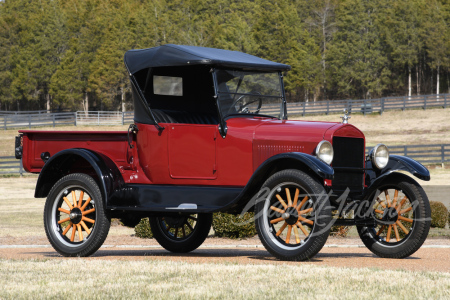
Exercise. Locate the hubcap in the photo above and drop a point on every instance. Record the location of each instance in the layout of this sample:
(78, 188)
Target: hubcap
(75, 215)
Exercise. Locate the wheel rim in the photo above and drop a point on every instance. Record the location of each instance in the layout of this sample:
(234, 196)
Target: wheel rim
(73, 216)
(178, 228)
(289, 216)
(393, 207)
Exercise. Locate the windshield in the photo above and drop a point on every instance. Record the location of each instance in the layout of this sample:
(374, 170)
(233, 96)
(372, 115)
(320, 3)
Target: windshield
(249, 93)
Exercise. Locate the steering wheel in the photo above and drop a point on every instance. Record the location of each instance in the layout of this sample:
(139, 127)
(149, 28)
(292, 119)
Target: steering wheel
(243, 106)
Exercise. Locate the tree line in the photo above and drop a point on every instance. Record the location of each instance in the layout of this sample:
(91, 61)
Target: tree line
(68, 54)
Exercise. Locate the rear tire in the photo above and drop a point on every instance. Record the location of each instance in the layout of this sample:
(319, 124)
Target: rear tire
(404, 239)
(297, 226)
(75, 220)
(181, 233)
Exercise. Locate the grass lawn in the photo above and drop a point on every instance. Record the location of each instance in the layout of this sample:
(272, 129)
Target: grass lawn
(106, 279)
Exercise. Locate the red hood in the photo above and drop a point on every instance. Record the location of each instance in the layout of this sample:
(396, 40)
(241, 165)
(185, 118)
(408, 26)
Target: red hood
(276, 136)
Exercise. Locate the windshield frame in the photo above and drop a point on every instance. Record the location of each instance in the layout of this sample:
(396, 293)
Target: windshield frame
(222, 127)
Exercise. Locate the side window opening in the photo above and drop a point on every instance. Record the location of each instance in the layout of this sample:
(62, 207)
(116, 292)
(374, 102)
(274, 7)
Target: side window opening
(167, 85)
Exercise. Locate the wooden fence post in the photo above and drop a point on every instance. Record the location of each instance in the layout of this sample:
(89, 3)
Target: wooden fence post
(53, 117)
(304, 108)
(382, 105)
(29, 121)
(404, 103)
(328, 107)
(21, 168)
(445, 100)
(4, 120)
(405, 150)
(425, 103)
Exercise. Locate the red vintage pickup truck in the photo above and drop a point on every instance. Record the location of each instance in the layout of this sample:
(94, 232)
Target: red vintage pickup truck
(211, 133)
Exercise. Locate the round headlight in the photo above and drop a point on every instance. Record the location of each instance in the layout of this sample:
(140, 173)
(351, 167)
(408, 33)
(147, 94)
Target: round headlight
(324, 151)
(380, 156)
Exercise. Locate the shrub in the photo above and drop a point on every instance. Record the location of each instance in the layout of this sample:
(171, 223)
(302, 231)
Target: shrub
(439, 214)
(143, 230)
(234, 226)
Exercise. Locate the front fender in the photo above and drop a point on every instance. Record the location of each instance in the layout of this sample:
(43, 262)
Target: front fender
(108, 176)
(290, 160)
(396, 163)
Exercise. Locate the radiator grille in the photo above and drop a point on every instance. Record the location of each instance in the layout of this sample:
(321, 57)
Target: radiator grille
(348, 153)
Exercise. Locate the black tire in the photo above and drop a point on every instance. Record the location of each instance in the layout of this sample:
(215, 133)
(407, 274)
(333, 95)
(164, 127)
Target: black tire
(315, 230)
(130, 220)
(181, 233)
(86, 207)
(406, 242)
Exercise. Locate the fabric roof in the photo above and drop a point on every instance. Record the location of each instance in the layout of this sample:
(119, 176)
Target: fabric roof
(179, 55)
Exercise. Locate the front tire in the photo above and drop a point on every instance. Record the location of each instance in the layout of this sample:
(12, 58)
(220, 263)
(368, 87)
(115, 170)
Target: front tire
(74, 216)
(181, 233)
(404, 206)
(293, 220)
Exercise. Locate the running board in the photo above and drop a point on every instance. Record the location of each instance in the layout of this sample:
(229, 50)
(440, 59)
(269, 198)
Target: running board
(163, 198)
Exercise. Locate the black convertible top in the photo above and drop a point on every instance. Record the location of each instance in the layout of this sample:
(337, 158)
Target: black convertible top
(179, 55)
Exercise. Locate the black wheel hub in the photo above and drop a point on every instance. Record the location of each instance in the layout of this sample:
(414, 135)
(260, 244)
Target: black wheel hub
(175, 222)
(75, 215)
(292, 215)
(390, 216)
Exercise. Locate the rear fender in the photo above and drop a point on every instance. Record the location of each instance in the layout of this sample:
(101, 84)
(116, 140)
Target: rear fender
(107, 175)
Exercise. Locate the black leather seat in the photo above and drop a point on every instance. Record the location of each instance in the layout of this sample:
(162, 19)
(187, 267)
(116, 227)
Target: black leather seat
(171, 116)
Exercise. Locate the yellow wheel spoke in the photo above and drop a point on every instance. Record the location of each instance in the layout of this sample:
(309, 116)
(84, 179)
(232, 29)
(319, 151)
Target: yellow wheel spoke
(73, 233)
(388, 236)
(64, 211)
(85, 227)
(81, 199)
(67, 228)
(306, 220)
(68, 203)
(297, 191)
(297, 237)
(399, 224)
(394, 202)
(288, 195)
(401, 203)
(405, 210)
(86, 203)
(302, 228)
(397, 236)
(80, 234)
(303, 212)
(87, 220)
(275, 221)
(88, 211)
(277, 210)
(405, 219)
(281, 229)
(288, 236)
(63, 220)
(281, 201)
(388, 199)
(381, 229)
(381, 203)
(74, 199)
(302, 203)
(379, 211)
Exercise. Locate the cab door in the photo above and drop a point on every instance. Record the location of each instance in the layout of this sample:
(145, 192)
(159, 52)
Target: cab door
(192, 151)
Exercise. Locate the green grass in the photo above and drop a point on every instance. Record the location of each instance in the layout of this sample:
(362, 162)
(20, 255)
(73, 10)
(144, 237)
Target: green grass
(105, 279)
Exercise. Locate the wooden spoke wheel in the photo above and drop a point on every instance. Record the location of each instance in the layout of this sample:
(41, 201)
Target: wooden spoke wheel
(181, 232)
(293, 221)
(394, 211)
(402, 211)
(74, 218)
